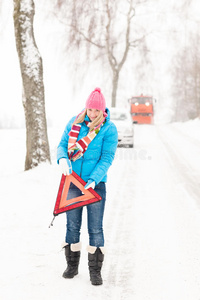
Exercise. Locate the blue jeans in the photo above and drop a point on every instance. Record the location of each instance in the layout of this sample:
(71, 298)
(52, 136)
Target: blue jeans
(95, 212)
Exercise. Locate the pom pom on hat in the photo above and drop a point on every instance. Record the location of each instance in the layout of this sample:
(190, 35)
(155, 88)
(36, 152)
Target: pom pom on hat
(96, 100)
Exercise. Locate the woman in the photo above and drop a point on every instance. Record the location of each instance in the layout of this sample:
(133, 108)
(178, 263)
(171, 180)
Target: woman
(88, 147)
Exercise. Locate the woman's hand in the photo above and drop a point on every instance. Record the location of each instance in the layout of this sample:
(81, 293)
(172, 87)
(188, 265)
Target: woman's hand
(65, 166)
(90, 184)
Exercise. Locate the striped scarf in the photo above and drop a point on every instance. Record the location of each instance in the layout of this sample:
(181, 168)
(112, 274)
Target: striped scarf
(81, 145)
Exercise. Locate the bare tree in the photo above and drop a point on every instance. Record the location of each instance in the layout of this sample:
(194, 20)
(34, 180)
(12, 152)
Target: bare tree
(115, 64)
(94, 23)
(37, 145)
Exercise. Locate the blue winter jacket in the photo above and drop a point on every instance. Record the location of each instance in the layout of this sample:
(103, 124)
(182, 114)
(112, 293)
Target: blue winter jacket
(97, 159)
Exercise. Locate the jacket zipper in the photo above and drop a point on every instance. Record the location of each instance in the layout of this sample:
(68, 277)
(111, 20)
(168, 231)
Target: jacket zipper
(82, 160)
(81, 167)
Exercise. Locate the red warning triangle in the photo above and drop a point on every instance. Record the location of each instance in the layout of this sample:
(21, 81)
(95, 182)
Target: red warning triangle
(62, 204)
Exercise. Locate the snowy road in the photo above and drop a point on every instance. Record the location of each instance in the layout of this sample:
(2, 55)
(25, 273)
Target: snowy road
(166, 214)
(152, 225)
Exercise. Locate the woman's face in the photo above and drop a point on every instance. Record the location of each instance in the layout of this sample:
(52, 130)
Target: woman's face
(92, 113)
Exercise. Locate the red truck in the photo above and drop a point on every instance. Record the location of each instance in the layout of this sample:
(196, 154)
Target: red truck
(141, 109)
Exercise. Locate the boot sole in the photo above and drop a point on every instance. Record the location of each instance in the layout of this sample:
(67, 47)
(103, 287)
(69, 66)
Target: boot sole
(69, 276)
(97, 282)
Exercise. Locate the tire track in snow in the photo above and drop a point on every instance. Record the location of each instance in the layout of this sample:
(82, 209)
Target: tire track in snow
(156, 248)
(118, 267)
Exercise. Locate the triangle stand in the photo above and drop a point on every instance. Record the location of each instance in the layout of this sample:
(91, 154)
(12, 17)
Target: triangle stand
(63, 204)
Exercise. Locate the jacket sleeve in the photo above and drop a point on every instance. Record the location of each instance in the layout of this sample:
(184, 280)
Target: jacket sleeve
(109, 148)
(62, 150)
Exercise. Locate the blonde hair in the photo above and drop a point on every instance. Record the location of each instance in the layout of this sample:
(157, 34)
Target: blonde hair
(97, 121)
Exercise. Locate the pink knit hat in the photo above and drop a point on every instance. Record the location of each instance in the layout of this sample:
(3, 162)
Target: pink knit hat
(96, 100)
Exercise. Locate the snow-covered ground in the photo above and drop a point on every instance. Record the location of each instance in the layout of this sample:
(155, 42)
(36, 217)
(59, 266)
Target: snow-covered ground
(152, 221)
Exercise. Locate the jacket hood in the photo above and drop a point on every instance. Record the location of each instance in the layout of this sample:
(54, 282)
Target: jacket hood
(108, 114)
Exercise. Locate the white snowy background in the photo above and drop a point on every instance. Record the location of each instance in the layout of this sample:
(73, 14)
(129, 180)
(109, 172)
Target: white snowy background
(152, 217)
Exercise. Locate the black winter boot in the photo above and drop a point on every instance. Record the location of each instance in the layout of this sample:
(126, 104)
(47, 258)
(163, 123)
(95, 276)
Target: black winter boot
(72, 258)
(95, 262)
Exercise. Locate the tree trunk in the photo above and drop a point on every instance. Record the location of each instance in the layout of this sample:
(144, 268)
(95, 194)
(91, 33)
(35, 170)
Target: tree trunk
(114, 87)
(115, 64)
(37, 145)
